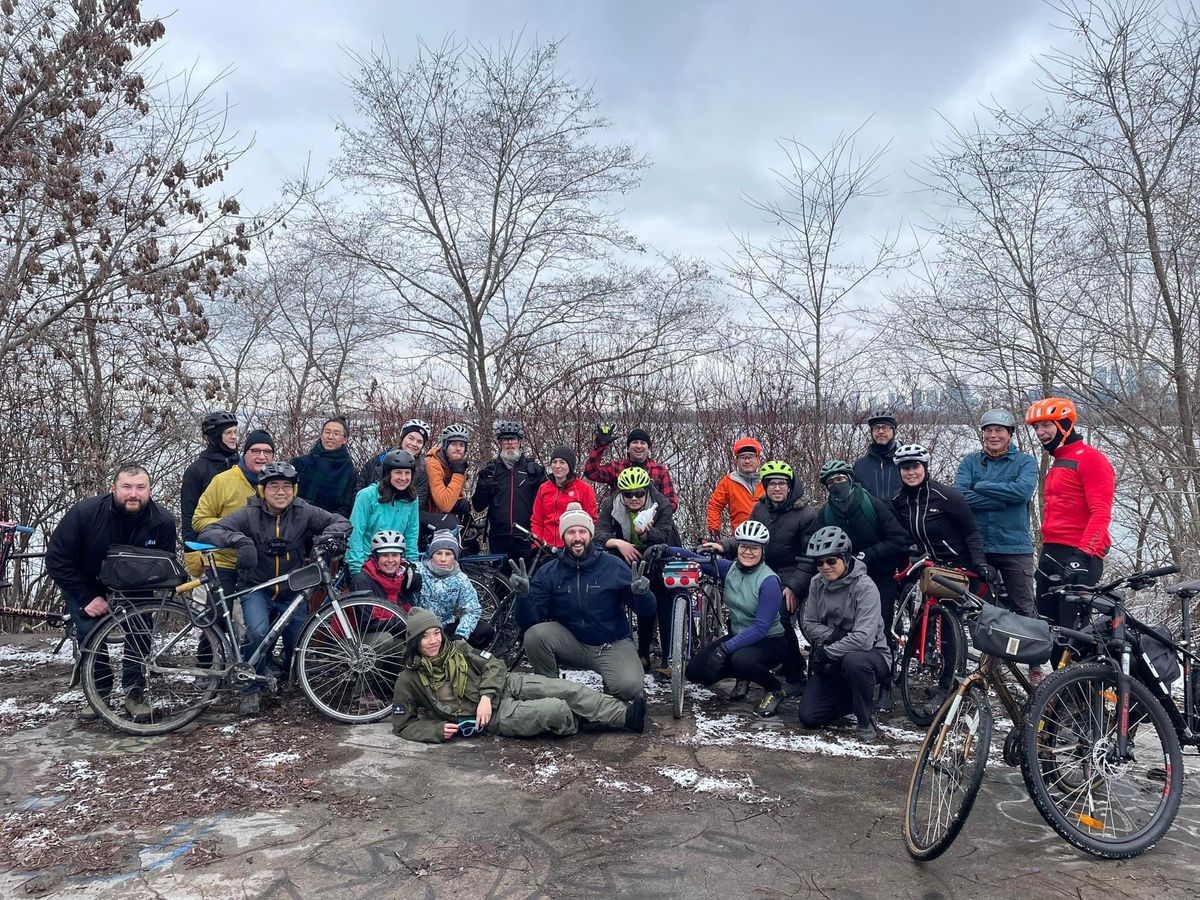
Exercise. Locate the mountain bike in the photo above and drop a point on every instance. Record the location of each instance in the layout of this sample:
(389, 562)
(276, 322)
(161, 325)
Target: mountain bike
(158, 660)
(697, 615)
(931, 644)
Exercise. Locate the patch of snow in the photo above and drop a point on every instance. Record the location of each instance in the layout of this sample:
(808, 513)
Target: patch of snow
(16, 653)
(585, 676)
(278, 759)
(732, 730)
(229, 729)
(24, 708)
(74, 696)
(625, 787)
(544, 771)
(741, 788)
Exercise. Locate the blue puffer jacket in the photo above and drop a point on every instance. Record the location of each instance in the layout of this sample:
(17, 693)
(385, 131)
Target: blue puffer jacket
(586, 596)
(998, 490)
(370, 516)
(446, 595)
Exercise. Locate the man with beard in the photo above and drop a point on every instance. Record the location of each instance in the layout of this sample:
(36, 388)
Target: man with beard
(220, 453)
(77, 548)
(574, 611)
(637, 453)
(327, 477)
(876, 471)
(506, 488)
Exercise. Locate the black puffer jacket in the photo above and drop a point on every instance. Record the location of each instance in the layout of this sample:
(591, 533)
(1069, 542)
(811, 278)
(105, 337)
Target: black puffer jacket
(941, 523)
(208, 465)
(878, 472)
(791, 523)
(877, 535)
(508, 494)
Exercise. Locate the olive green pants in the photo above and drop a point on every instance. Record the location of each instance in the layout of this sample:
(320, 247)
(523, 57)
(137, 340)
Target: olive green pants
(531, 705)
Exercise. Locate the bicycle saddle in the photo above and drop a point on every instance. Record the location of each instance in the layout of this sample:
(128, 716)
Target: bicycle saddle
(1190, 587)
(196, 545)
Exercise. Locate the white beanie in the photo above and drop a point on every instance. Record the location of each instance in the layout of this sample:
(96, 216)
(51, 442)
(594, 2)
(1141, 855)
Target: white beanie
(575, 515)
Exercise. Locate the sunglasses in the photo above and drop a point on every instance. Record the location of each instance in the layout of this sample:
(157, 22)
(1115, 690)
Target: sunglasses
(633, 495)
(829, 561)
(467, 727)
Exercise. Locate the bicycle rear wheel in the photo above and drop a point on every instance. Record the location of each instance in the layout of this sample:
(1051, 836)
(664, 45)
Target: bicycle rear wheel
(139, 667)
(348, 670)
(680, 622)
(931, 662)
(506, 645)
(947, 774)
(1108, 807)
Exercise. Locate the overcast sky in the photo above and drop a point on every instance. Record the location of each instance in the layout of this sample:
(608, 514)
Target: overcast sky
(705, 89)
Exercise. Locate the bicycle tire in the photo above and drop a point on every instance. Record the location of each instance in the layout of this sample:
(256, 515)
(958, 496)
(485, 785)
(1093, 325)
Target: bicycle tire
(679, 627)
(489, 600)
(971, 744)
(902, 627)
(506, 645)
(174, 700)
(344, 674)
(925, 685)
(1077, 705)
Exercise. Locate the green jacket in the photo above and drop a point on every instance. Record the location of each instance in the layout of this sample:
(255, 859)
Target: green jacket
(485, 678)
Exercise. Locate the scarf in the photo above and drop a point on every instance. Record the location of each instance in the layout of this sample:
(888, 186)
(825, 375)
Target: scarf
(393, 585)
(324, 475)
(449, 666)
(438, 572)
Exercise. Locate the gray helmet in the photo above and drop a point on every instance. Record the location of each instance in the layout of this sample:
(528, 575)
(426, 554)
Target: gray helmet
(509, 428)
(397, 459)
(278, 471)
(828, 541)
(881, 417)
(454, 432)
(1000, 417)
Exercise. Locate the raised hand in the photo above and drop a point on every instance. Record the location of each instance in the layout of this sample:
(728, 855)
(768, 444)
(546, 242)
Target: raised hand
(518, 581)
(640, 583)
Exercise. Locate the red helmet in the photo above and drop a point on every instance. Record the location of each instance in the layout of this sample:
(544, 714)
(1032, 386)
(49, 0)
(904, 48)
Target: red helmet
(1052, 409)
(742, 444)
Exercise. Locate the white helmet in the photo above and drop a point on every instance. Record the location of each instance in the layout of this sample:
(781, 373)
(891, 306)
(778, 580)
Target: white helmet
(387, 541)
(752, 531)
(911, 453)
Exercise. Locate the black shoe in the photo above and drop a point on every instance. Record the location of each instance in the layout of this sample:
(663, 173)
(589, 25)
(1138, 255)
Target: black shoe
(769, 704)
(635, 714)
(866, 732)
(886, 703)
(741, 688)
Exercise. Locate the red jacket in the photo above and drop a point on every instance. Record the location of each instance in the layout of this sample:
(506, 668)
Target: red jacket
(1079, 499)
(606, 473)
(551, 502)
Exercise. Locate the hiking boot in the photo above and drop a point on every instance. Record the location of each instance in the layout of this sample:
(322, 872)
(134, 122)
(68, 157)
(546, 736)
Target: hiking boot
(137, 707)
(769, 704)
(886, 702)
(645, 660)
(248, 705)
(865, 732)
(635, 714)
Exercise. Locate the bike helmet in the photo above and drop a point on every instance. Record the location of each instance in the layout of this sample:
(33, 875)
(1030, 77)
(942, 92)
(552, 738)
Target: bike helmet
(508, 428)
(217, 421)
(454, 432)
(278, 471)
(1001, 417)
(1052, 409)
(752, 531)
(742, 444)
(834, 467)
(416, 425)
(777, 469)
(828, 541)
(635, 478)
(881, 417)
(397, 459)
(387, 541)
(908, 453)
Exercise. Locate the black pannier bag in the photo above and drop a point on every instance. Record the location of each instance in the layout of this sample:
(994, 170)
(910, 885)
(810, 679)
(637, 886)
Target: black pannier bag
(1159, 657)
(1009, 635)
(128, 568)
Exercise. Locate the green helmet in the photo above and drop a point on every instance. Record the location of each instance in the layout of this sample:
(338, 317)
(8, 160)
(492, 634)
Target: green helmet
(777, 469)
(834, 467)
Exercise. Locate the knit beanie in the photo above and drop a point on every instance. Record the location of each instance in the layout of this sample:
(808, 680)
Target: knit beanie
(567, 455)
(575, 515)
(638, 434)
(444, 539)
(259, 436)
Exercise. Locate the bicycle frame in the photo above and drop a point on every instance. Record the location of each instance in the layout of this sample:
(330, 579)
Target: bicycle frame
(921, 613)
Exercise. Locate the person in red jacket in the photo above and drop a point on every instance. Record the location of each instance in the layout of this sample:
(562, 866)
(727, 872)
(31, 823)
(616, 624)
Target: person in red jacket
(738, 490)
(558, 492)
(1079, 499)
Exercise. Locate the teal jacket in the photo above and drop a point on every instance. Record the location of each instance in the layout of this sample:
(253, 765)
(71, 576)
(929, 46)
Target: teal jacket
(998, 490)
(370, 516)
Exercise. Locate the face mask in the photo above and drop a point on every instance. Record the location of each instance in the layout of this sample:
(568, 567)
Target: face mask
(841, 490)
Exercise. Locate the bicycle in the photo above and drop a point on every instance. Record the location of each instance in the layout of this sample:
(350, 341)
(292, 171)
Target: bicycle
(177, 657)
(1102, 746)
(8, 554)
(697, 617)
(931, 643)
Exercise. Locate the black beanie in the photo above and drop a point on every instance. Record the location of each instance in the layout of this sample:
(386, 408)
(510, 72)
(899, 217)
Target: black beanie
(638, 434)
(567, 455)
(258, 436)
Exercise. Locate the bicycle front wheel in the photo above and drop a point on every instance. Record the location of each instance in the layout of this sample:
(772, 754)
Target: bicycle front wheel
(143, 668)
(930, 663)
(347, 665)
(947, 774)
(1105, 805)
(679, 626)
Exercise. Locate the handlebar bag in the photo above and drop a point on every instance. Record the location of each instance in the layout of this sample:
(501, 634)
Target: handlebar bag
(931, 588)
(128, 568)
(1008, 635)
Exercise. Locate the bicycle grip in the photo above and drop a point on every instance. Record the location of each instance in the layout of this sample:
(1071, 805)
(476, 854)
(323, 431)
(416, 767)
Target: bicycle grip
(25, 529)
(189, 586)
(952, 585)
(1159, 572)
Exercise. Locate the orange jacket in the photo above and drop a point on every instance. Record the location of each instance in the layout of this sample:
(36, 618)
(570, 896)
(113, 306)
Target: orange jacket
(444, 489)
(733, 493)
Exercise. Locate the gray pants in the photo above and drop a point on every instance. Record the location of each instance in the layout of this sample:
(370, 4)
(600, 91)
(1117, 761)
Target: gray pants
(549, 645)
(531, 705)
(1016, 569)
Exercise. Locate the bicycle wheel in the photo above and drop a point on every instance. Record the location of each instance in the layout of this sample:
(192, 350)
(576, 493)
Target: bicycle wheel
(140, 667)
(348, 671)
(947, 774)
(506, 645)
(902, 620)
(929, 665)
(489, 602)
(680, 621)
(1108, 807)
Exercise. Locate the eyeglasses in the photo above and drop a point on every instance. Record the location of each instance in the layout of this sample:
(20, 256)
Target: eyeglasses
(260, 451)
(829, 561)
(467, 727)
(633, 495)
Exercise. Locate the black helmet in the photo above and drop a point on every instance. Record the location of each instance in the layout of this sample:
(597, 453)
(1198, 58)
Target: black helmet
(881, 417)
(217, 421)
(509, 428)
(278, 471)
(398, 459)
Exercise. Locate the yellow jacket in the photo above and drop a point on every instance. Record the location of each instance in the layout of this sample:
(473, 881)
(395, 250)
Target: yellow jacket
(225, 494)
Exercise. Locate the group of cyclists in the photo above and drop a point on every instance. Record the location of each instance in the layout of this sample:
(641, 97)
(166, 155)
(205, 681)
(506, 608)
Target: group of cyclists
(789, 568)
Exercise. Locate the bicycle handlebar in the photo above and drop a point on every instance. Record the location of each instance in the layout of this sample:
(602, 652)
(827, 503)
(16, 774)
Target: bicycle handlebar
(16, 527)
(189, 586)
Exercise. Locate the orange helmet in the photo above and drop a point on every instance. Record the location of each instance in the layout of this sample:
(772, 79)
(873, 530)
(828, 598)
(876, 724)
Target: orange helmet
(1052, 409)
(741, 445)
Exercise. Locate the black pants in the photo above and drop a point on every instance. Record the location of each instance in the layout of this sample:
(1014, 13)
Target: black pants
(1062, 564)
(1016, 571)
(849, 686)
(795, 669)
(886, 585)
(753, 663)
(664, 599)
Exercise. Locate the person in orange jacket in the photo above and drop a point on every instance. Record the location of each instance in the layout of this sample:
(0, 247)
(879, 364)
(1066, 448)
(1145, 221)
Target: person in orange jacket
(739, 490)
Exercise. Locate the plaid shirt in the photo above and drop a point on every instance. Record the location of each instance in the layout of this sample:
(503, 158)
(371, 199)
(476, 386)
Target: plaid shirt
(606, 473)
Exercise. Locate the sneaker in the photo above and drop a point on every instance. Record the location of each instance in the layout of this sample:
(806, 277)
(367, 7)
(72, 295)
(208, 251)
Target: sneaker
(740, 689)
(886, 702)
(248, 705)
(769, 704)
(635, 714)
(137, 707)
(865, 732)
(1036, 676)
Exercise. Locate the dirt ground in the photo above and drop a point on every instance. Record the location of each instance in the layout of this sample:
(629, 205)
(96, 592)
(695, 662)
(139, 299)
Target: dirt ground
(719, 804)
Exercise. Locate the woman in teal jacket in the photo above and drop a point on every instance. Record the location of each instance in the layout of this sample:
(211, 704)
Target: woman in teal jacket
(391, 504)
